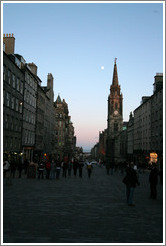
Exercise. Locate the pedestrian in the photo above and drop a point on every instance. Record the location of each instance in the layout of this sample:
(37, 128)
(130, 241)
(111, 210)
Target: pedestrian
(53, 169)
(130, 180)
(26, 165)
(41, 170)
(80, 167)
(13, 167)
(64, 167)
(69, 168)
(58, 168)
(153, 179)
(31, 171)
(19, 167)
(48, 168)
(6, 168)
(75, 167)
(107, 165)
(89, 169)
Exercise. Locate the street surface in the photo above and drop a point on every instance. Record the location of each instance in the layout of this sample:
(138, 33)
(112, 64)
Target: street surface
(81, 210)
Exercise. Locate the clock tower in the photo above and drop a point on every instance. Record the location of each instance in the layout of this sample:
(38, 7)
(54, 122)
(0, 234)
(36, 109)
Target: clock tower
(115, 113)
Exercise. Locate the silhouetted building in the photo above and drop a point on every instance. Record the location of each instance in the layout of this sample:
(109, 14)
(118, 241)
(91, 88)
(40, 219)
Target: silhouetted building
(115, 115)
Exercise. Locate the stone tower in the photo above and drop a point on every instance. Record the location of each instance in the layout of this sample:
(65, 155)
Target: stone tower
(115, 106)
(115, 115)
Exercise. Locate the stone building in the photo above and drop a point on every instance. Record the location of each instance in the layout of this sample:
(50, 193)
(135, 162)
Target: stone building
(49, 117)
(64, 131)
(130, 138)
(148, 124)
(102, 145)
(13, 83)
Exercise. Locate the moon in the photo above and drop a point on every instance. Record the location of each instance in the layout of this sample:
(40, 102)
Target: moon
(102, 67)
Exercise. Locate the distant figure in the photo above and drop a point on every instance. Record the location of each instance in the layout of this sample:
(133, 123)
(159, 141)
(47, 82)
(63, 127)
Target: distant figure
(41, 170)
(19, 167)
(6, 168)
(153, 179)
(75, 167)
(13, 166)
(107, 165)
(130, 180)
(58, 168)
(80, 166)
(53, 169)
(69, 168)
(26, 165)
(48, 169)
(64, 167)
(31, 172)
(89, 169)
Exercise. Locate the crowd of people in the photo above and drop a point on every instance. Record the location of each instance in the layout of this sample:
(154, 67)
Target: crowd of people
(46, 169)
(54, 169)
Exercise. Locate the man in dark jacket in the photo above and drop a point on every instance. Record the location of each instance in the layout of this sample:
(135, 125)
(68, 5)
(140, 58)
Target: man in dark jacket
(131, 181)
(153, 179)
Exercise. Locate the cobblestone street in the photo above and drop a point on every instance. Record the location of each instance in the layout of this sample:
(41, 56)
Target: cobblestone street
(81, 210)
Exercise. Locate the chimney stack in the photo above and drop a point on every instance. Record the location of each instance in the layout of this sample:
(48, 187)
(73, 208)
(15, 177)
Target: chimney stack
(9, 41)
(33, 68)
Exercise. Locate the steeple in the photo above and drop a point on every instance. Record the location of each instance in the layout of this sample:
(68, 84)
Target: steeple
(115, 75)
(58, 100)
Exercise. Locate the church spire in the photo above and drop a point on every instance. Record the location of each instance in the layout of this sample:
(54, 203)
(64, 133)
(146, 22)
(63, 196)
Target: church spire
(115, 75)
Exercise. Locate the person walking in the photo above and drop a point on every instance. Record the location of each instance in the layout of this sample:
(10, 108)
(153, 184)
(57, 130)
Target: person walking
(80, 167)
(89, 169)
(75, 167)
(130, 180)
(153, 180)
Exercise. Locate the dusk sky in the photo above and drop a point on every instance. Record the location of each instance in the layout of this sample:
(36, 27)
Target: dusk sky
(78, 42)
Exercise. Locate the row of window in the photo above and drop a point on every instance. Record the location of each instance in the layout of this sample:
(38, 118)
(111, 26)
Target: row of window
(12, 143)
(11, 123)
(28, 137)
(29, 98)
(29, 116)
(12, 102)
(12, 79)
(30, 80)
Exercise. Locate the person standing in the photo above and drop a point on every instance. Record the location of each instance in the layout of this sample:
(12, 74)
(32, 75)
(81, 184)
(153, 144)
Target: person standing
(75, 167)
(13, 168)
(80, 166)
(58, 168)
(130, 180)
(6, 168)
(48, 168)
(69, 168)
(41, 170)
(153, 180)
(89, 169)
(53, 169)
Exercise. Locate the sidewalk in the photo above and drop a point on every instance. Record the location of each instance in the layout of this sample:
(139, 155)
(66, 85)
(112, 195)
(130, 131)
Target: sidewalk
(75, 210)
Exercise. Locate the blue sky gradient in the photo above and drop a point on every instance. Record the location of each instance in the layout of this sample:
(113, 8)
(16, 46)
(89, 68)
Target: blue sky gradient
(73, 40)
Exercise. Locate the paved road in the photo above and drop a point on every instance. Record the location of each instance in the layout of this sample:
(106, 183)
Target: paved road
(75, 210)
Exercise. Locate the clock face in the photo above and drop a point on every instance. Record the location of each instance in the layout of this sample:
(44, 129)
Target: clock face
(115, 112)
